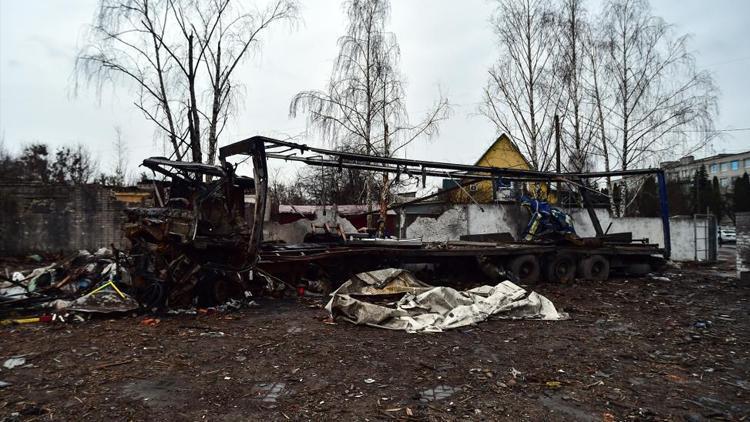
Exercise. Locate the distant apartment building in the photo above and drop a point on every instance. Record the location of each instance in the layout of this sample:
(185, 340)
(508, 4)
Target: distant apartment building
(725, 167)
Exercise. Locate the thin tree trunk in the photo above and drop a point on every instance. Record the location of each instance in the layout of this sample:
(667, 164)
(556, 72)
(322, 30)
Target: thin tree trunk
(368, 119)
(193, 118)
(603, 134)
(215, 108)
(578, 163)
(163, 92)
(532, 109)
(625, 120)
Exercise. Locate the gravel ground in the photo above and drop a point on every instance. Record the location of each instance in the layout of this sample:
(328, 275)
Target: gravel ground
(636, 349)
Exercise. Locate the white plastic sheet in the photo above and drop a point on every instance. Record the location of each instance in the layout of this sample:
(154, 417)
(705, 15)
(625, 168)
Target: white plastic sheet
(424, 308)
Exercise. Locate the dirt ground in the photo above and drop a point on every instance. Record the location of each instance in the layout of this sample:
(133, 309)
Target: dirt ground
(635, 349)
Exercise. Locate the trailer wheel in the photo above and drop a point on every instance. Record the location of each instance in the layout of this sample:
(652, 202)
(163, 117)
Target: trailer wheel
(526, 268)
(493, 270)
(560, 268)
(595, 267)
(638, 269)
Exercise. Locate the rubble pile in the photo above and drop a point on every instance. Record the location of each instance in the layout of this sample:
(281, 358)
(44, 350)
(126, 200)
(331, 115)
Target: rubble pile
(83, 282)
(98, 283)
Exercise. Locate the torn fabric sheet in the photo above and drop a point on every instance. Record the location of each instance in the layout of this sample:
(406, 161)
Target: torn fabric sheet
(424, 308)
(103, 302)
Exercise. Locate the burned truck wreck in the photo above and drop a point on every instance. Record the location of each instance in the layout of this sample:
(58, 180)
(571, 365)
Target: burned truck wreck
(197, 242)
(205, 242)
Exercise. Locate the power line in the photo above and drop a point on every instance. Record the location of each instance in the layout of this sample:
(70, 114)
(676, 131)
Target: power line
(741, 129)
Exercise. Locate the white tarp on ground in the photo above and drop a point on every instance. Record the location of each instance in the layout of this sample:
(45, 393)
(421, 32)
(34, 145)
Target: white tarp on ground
(424, 308)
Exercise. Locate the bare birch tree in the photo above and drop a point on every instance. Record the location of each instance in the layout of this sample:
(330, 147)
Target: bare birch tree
(657, 95)
(578, 121)
(363, 106)
(598, 92)
(658, 92)
(182, 57)
(523, 93)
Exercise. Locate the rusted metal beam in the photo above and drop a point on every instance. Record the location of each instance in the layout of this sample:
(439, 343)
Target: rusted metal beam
(345, 159)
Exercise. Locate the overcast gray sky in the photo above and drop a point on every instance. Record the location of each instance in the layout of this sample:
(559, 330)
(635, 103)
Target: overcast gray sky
(445, 44)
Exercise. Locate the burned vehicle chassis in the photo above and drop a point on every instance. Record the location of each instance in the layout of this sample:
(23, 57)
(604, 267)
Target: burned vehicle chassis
(196, 242)
(203, 242)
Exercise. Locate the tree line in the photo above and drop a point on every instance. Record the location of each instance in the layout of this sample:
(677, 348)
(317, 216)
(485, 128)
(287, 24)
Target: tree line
(37, 162)
(623, 82)
(700, 195)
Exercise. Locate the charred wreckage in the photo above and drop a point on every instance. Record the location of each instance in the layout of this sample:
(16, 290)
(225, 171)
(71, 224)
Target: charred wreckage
(204, 241)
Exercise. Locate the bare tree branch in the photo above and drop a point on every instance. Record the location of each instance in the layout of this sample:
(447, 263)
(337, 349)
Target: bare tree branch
(182, 56)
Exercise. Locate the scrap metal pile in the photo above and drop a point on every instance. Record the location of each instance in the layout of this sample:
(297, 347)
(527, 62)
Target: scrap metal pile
(190, 251)
(81, 283)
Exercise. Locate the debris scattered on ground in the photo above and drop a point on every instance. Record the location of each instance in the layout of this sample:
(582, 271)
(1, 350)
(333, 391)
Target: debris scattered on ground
(122, 370)
(269, 392)
(213, 334)
(150, 322)
(83, 282)
(14, 362)
(86, 283)
(424, 308)
(438, 393)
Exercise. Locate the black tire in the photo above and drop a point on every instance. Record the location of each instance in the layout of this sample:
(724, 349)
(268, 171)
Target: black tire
(526, 268)
(595, 267)
(220, 291)
(638, 269)
(560, 268)
(493, 271)
(153, 296)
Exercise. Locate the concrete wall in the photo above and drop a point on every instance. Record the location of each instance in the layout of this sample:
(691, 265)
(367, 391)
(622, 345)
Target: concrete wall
(470, 219)
(52, 218)
(295, 232)
(684, 244)
(641, 227)
(682, 232)
(497, 218)
(450, 225)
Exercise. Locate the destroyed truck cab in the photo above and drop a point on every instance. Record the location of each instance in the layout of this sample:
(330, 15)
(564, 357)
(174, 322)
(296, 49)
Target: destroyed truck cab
(195, 244)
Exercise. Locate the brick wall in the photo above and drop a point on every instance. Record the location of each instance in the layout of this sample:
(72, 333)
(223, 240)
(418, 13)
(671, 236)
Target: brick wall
(52, 218)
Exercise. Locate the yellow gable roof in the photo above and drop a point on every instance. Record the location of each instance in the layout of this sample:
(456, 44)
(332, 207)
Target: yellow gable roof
(503, 153)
